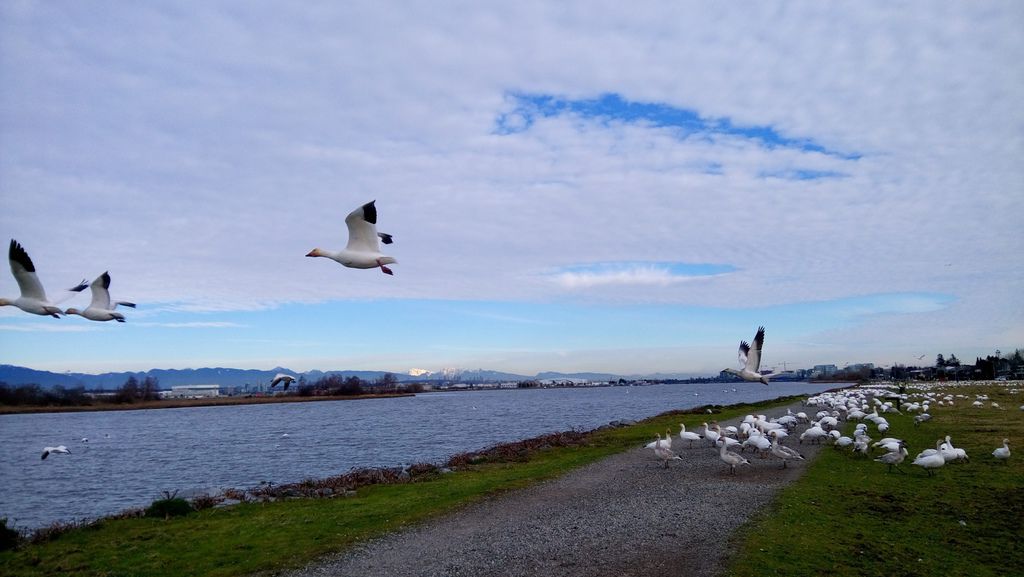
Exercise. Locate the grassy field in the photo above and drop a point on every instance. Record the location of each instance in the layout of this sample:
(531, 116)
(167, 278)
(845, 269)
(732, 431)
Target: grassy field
(848, 517)
(253, 537)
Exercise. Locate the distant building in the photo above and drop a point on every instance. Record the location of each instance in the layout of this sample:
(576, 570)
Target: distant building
(824, 370)
(857, 367)
(192, 392)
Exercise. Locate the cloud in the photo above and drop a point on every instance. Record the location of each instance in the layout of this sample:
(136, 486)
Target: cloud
(197, 152)
(194, 325)
(41, 328)
(635, 273)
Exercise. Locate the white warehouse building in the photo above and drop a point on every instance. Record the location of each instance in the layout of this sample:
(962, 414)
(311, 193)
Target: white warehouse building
(192, 392)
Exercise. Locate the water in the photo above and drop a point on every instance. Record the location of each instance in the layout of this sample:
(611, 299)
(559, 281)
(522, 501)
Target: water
(131, 457)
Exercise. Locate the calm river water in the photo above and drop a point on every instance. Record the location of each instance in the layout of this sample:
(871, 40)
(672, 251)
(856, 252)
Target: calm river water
(131, 457)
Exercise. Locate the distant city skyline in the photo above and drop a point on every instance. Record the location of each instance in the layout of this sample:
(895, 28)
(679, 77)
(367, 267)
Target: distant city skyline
(570, 189)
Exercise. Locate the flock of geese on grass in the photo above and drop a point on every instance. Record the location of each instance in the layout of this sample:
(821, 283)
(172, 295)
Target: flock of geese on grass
(762, 435)
(765, 436)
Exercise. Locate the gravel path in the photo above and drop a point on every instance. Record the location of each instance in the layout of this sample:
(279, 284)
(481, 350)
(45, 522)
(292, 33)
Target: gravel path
(623, 516)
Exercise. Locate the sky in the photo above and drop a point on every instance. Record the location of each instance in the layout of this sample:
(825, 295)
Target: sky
(574, 186)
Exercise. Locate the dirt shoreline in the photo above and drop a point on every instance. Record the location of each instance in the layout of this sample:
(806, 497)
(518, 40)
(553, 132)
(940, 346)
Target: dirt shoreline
(185, 403)
(623, 516)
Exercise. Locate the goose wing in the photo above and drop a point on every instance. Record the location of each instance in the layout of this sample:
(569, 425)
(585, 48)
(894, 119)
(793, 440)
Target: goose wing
(100, 292)
(25, 272)
(362, 229)
(753, 357)
(742, 354)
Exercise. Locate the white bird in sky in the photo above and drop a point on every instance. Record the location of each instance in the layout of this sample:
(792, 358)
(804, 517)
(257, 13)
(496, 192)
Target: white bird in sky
(363, 249)
(101, 308)
(57, 449)
(33, 297)
(750, 358)
(282, 378)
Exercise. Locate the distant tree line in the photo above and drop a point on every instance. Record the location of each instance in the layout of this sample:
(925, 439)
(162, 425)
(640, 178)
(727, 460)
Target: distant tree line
(59, 396)
(132, 390)
(337, 386)
(37, 396)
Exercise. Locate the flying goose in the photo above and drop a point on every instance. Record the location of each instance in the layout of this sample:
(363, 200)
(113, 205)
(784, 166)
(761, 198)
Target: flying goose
(282, 378)
(750, 358)
(33, 297)
(363, 249)
(101, 309)
(57, 449)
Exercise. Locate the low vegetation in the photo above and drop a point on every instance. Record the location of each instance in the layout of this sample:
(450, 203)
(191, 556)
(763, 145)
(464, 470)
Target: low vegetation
(284, 526)
(845, 516)
(848, 517)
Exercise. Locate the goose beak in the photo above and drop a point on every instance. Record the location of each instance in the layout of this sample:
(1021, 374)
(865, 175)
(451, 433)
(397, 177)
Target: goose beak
(313, 252)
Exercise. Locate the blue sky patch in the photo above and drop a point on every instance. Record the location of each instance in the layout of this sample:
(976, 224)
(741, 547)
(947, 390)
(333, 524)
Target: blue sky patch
(608, 108)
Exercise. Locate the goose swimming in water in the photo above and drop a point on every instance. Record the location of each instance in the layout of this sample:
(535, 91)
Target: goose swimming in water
(363, 249)
(33, 297)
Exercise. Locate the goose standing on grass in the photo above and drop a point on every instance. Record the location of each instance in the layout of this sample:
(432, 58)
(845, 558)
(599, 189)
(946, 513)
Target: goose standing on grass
(929, 462)
(363, 249)
(282, 378)
(894, 458)
(33, 297)
(951, 453)
(1003, 453)
(785, 453)
(750, 358)
(730, 458)
(58, 449)
(664, 453)
(101, 308)
(688, 436)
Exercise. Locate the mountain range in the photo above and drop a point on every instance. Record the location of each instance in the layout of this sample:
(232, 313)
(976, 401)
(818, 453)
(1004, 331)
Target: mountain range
(227, 377)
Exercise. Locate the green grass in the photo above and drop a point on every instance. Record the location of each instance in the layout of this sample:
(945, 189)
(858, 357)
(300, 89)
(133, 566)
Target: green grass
(253, 537)
(848, 517)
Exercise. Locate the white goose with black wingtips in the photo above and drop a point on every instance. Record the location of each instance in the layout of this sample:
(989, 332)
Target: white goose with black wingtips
(33, 297)
(101, 308)
(363, 249)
